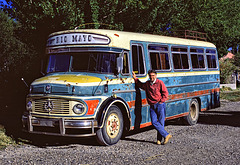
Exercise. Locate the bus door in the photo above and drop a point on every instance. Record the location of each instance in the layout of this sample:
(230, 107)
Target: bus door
(140, 113)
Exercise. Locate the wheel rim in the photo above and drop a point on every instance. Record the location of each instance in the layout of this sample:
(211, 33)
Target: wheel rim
(113, 125)
(193, 112)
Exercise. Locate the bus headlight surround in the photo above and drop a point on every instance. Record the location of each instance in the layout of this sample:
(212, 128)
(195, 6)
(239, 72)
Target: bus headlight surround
(29, 106)
(79, 108)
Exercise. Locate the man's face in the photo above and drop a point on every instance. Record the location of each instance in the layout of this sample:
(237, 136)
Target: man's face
(152, 76)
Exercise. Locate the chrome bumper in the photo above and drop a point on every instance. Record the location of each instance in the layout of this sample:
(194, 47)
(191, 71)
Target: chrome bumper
(29, 123)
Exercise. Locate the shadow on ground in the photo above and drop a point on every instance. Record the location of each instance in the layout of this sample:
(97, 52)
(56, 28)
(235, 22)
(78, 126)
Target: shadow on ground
(215, 117)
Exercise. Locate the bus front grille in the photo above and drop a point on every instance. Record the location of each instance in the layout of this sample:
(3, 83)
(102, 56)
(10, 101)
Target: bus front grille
(51, 106)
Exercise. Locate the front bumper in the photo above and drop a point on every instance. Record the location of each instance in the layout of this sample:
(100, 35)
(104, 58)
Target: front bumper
(59, 127)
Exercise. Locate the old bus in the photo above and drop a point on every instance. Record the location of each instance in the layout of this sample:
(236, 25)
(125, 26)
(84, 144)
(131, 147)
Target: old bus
(88, 90)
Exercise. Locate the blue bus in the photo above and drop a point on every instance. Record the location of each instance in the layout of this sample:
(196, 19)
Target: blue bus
(88, 89)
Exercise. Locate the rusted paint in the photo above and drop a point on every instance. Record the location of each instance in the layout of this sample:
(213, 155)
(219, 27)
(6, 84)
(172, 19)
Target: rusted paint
(122, 80)
(68, 85)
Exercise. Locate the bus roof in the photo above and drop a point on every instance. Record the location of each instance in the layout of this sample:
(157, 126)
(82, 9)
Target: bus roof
(122, 39)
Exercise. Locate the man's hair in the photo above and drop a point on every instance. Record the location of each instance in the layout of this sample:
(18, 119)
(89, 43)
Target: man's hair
(152, 71)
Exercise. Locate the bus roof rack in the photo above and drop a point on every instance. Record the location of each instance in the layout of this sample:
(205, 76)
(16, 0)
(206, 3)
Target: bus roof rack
(189, 34)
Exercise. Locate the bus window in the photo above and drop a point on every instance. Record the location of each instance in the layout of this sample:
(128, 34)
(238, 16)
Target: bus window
(137, 56)
(155, 61)
(211, 58)
(58, 63)
(97, 62)
(159, 57)
(125, 64)
(180, 58)
(197, 58)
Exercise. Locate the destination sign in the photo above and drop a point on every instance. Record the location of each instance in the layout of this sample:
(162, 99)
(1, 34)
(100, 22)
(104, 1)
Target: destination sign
(77, 39)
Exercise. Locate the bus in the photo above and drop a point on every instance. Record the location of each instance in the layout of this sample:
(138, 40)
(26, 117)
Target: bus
(88, 89)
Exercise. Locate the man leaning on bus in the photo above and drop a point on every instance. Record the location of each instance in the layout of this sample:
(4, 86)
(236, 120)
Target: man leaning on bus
(157, 94)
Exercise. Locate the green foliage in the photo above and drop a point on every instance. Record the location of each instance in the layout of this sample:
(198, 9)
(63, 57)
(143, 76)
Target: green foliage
(231, 96)
(237, 60)
(226, 69)
(4, 139)
(13, 50)
(219, 19)
(224, 89)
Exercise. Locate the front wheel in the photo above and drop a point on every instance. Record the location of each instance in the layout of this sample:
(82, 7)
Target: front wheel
(192, 117)
(112, 129)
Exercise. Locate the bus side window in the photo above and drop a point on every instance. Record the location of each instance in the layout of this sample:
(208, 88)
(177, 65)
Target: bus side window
(125, 64)
(211, 58)
(180, 58)
(197, 58)
(138, 61)
(159, 57)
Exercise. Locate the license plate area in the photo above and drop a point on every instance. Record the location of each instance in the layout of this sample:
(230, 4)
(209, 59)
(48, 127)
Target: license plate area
(46, 123)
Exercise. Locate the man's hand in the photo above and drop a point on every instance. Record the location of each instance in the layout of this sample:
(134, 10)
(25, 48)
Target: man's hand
(134, 75)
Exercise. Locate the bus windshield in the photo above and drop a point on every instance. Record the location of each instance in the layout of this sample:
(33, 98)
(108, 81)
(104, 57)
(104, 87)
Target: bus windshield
(98, 62)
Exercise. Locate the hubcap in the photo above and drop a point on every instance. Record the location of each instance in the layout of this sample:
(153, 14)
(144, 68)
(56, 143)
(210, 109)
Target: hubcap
(113, 124)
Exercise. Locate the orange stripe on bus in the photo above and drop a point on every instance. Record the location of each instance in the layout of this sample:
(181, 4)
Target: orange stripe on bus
(143, 125)
(167, 118)
(92, 105)
(179, 96)
(192, 94)
(203, 109)
(132, 103)
(177, 116)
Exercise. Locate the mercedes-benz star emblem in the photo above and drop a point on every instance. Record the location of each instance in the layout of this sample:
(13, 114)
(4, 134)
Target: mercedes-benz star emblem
(48, 106)
(48, 87)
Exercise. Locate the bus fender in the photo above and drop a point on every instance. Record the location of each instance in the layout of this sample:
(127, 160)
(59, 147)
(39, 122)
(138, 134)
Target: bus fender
(122, 106)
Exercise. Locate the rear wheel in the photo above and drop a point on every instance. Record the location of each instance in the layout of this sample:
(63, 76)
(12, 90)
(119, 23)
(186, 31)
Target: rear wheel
(192, 117)
(112, 129)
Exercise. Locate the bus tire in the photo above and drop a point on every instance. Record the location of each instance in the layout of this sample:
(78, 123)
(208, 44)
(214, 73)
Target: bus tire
(193, 115)
(112, 129)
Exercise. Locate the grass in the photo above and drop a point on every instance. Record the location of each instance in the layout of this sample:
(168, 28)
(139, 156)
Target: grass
(231, 95)
(4, 139)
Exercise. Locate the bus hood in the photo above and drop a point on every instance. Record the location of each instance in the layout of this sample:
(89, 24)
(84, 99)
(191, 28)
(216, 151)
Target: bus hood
(67, 84)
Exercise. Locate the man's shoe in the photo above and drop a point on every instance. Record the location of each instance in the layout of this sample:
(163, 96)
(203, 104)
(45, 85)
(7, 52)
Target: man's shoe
(158, 142)
(168, 137)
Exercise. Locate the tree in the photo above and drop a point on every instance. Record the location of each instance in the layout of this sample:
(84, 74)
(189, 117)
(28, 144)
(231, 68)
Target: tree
(219, 19)
(227, 68)
(13, 50)
(15, 57)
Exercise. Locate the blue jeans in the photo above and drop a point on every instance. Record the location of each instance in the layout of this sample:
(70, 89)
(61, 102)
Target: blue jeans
(158, 113)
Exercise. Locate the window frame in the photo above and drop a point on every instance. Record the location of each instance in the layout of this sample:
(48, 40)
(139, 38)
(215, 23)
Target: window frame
(127, 52)
(159, 52)
(179, 53)
(204, 57)
(215, 54)
(143, 58)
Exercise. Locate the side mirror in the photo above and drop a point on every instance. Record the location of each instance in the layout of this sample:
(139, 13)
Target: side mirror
(119, 64)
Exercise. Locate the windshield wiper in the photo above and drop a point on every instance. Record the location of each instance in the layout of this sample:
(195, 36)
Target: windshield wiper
(97, 88)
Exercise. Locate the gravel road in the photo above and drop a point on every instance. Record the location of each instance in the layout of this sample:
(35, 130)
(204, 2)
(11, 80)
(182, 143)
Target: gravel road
(214, 140)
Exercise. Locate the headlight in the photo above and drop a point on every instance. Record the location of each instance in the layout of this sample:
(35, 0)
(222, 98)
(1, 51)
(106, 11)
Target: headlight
(29, 106)
(79, 108)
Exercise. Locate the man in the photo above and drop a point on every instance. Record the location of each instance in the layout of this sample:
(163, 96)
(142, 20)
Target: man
(157, 94)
